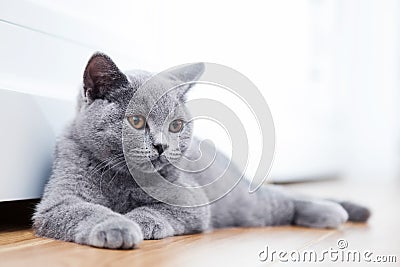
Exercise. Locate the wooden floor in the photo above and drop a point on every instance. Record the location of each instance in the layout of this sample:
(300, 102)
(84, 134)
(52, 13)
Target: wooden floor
(231, 247)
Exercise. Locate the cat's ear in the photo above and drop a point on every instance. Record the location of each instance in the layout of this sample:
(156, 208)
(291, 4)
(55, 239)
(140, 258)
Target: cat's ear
(101, 76)
(186, 74)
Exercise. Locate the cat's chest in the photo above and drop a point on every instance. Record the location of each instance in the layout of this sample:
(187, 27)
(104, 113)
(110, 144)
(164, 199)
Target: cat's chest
(124, 195)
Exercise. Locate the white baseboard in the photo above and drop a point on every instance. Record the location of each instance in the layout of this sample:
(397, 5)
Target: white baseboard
(29, 126)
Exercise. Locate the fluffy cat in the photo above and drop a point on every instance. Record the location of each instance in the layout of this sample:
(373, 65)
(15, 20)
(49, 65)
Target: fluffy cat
(92, 199)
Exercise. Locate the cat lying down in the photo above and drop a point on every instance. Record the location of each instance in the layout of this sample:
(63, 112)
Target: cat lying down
(92, 199)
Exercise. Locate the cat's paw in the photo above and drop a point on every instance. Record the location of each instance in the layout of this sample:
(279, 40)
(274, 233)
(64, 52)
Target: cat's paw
(157, 229)
(115, 233)
(357, 213)
(319, 214)
(153, 225)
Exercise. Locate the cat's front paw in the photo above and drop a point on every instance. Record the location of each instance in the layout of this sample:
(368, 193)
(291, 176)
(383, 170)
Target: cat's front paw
(156, 229)
(153, 225)
(115, 233)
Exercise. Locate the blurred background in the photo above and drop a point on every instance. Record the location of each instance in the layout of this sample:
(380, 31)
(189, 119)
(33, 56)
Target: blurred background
(329, 70)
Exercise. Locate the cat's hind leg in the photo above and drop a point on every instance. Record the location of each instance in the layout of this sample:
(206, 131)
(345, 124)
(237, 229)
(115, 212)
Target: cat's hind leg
(328, 213)
(356, 212)
(319, 214)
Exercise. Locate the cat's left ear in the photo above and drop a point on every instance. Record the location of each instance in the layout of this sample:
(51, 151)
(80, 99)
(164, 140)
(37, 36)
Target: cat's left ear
(101, 76)
(186, 74)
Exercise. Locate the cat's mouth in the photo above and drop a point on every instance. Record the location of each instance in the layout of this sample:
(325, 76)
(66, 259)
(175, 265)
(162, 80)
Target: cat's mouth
(159, 162)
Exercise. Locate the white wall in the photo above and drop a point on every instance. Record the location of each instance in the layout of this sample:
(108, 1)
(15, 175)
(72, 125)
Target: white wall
(267, 41)
(366, 79)
(328, 69)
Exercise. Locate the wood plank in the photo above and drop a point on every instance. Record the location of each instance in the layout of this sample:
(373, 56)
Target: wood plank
(226, 247)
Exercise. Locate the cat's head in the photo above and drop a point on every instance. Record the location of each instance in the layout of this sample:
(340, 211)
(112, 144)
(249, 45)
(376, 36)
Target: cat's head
(159, 128)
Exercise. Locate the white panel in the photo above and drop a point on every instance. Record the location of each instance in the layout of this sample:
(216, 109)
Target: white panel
(54, 22)
(27, 137)
(43, 53)
(40, 64)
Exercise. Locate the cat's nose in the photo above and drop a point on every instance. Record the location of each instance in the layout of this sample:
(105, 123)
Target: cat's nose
(160, 148)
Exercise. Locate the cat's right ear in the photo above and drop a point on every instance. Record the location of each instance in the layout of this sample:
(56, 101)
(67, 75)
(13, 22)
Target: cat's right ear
(101, 76)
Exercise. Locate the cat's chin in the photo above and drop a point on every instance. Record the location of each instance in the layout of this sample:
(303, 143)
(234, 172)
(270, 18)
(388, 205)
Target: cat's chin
(158, 164)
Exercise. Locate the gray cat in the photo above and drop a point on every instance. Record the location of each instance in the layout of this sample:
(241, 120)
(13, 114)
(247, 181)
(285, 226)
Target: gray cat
(92, 199)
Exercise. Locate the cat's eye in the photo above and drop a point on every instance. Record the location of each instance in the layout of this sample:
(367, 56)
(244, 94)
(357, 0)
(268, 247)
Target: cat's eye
(137, 121)
(176, 126)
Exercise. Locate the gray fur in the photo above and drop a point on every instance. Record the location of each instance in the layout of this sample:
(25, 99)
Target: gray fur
(91, 198)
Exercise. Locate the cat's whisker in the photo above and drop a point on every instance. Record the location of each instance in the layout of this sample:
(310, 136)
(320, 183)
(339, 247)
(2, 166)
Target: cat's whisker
(101, 177)
(104, 164)
(175, 154)
(119, 169)
(111, 167)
